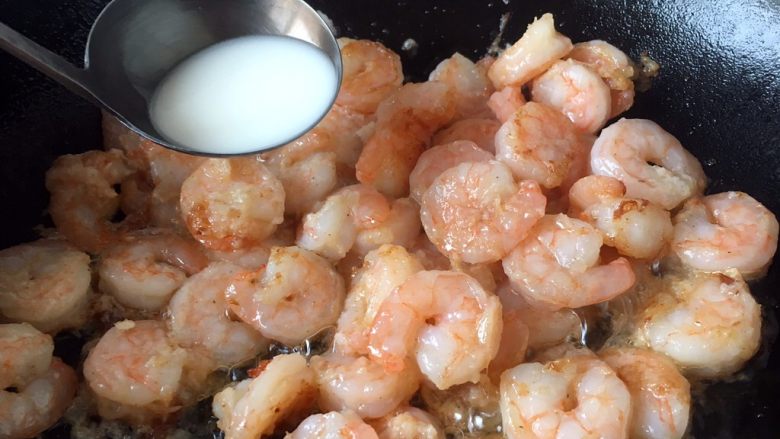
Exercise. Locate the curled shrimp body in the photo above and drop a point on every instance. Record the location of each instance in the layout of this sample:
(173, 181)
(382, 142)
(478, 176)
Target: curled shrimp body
(726, 230)
(83, 199)
(440, 158)
(709, 324)
(468, 82)
(408, 423)
(538, 48)
(576, 91)
(505, 102)
(651, 163)
(540, 144)
(402, 226)
(478, 130)
(255, 407)
(576, 396)
(45, 283)
(613, 66)
(371, 73)
(198, 318)
(476, 213)
(295, 296)
(333, 425)
(446, 320)
(660, 395)
(231, 204)
(558, 266)
(26, 354)
(144, 271)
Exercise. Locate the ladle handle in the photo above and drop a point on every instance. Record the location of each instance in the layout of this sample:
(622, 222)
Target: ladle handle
(46, 62)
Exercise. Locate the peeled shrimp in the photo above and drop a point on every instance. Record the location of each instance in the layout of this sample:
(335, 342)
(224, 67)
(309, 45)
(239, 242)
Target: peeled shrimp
(577, 396)
(558, 266)
(144, 271)
(408, 423)
(576, 91)
(540, 144)
(440, 158)
(401, 227)
(708, 324)
(726, 230)
(480, 131)
(613, 66)
(371, 73)
(253, 408)
(505, 102)
(538, 48)
(475, 212)
(333, 425)
(83, 199)
(468, 82)
(26, 354)
(649, 161)
(446, 320)
(231, 204)
(45, 283)
(406, 121)
(198, 318)
(295, 296)
(660, 395)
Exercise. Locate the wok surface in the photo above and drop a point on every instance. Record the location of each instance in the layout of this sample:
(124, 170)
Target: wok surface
(718, 92)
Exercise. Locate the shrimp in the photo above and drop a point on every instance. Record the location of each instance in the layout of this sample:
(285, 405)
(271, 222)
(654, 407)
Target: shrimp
(143, 271)
(295, 296)
(652, 164)
(660, 395)
(198, 318)
(513, 345)
(333, 425)
(404, 126)
(576, 91)
(538, 48)
(577, 396)
(469, 83)
(360, 384)
(26, 354)
(613, 66)
(475, 212)
(231, 204)
(557, 265)
(726, 230)
(135, 371)
(45, 283)
(446, 320)
(83, 199)
(401, 227)
(635, 227)
(465, 410)
(540, 144)
(440, 158)
(252, 409)
(408, 423)
(371, 73)
(505, 102)
(480, 131)
(708, 324)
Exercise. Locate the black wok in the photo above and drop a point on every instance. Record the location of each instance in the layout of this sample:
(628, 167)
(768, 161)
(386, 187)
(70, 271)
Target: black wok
(718, 92)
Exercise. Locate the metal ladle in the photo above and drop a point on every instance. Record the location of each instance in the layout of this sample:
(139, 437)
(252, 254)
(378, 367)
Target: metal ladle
(134, 43)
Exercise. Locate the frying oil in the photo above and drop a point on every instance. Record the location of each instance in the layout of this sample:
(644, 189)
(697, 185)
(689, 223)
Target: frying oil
(244, 94)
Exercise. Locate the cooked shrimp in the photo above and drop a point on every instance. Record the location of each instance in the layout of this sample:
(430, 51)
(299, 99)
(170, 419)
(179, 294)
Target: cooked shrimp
(649, 161)
(557, 265)
(333, 425)
(475, 212)
(613, 66)
(577, 396)
(360, 384)
(83, 199)
(660, 395)
(198, 318)
(231, 204)
(440, 158)
(143, 271)
(401, 227)
(253, 409)
(480, 131)
(513, 345)
(540, 144)
(538, 48)
(468, 82)
(168, 170)
(295, 296)
(26, 354)
(408, 423)
(45, 283)
(505, 102)
(708, 324)
(371, 73)
(446, 320)
(405, 123)
(726, 230)
(576, 91)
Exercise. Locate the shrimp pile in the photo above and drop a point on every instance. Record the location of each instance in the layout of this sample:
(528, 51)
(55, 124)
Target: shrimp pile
(427, 262)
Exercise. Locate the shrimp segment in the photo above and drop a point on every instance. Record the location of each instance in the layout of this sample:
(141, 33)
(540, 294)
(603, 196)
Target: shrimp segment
(440, 158)
(371, 73)
(333, 425)
(468, 82)
(480, 131)
(25, 354)
(505, 102)
(613, 66)
(475, 212)
(408, 423)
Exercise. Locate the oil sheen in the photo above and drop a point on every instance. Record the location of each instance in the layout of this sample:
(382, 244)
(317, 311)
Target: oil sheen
(245, 94)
